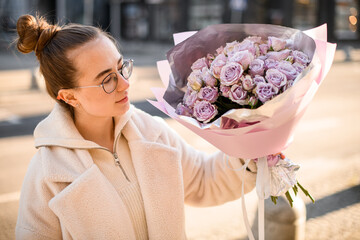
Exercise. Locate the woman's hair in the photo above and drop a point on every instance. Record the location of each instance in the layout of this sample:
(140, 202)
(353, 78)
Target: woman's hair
(51, 43)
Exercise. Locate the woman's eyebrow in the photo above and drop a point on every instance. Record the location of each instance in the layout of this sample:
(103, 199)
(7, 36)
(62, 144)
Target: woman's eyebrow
(107, 70)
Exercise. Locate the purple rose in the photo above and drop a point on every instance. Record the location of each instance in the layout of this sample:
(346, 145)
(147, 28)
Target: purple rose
(286, 68)
(247, 82)
(204, 111)
(276, 78)
(270, 63)
(220, 50)
(263, 48)
(194, 80)
(299, 67)
(209, 94)
(246, 45)
(217, 65)
(259, 79)
(255, 39)
(276, 44)
(244, 58)
(238, 94)
(287, 85)
(257, 67)
(265, 91)
(183, 110)
(199, 64)
(225, 90)
(278, 56)
(208, 78)
(231, 73)
(230, 47)
(300, 57)
(190, 97)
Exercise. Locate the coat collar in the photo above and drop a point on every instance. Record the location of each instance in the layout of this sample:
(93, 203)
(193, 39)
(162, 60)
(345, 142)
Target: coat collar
(159, 174)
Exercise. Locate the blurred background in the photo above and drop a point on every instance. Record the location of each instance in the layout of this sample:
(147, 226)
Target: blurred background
(326, 143)
(157, 20)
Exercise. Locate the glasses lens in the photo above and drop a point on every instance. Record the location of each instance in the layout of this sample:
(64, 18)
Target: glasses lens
(126, 69)
(110, 83)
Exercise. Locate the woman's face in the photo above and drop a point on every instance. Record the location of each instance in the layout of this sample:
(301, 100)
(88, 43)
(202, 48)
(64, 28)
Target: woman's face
(94, 61)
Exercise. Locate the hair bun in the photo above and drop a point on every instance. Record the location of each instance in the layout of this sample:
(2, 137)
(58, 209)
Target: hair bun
(34, 33)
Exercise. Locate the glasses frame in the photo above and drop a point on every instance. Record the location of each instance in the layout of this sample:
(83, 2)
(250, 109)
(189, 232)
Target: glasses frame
(127, 61)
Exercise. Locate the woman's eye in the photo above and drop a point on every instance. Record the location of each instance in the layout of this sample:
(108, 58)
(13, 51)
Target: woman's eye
(106, 80)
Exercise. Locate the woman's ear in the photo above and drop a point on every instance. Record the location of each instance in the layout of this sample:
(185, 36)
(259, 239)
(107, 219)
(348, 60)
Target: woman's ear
(68, 96)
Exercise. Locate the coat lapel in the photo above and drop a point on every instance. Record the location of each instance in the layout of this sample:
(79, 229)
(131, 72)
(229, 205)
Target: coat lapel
(159, 174)
(75, 205)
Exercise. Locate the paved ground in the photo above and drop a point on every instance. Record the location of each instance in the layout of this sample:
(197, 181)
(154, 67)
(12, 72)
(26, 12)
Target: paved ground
(326, 144)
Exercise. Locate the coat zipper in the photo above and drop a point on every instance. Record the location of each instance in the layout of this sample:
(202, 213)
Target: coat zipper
(117, 163)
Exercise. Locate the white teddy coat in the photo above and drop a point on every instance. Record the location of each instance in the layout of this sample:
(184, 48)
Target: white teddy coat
(65, 196)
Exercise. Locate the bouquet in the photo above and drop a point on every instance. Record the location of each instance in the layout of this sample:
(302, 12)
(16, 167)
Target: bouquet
(244, 74)
(244, 88)
(240, 75)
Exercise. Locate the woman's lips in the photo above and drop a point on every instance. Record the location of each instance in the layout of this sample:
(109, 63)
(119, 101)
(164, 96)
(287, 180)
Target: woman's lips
(124, 100)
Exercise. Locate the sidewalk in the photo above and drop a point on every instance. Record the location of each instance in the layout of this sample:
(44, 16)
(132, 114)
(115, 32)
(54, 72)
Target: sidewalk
(326, 145)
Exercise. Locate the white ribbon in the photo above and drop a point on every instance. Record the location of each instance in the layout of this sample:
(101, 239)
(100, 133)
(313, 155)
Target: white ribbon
(263, 183)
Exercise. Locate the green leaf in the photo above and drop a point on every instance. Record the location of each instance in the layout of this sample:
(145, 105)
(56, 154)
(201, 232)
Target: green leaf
(306, 192)
(289, 198)
(274, 199)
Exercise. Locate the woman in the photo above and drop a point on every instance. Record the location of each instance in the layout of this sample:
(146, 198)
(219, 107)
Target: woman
(104, 169)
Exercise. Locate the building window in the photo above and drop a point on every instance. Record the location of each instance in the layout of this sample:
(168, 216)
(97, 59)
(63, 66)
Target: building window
(346, 19)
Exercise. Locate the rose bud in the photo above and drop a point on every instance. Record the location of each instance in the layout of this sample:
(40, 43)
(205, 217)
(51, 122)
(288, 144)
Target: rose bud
(247, 82)
(276, 44)
(252, 101)
(225, 90)
(278, 56)
(194, 80)
(238, 94)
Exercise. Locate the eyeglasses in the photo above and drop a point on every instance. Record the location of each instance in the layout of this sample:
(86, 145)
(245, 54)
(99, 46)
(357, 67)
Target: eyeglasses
(110, 82)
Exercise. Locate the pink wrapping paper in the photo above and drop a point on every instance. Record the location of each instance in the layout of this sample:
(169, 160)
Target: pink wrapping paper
(275, 129)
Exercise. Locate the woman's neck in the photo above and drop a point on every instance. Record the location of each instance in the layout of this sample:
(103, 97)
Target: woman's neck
(97, 129)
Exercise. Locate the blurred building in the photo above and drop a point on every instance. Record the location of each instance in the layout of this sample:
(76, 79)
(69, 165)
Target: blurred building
(157, 20)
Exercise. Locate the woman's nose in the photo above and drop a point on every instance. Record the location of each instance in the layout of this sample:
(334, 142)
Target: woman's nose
(123, 83)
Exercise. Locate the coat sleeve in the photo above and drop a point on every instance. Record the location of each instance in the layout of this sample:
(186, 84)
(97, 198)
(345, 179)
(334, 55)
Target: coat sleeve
(210, 180)
(35, 218)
